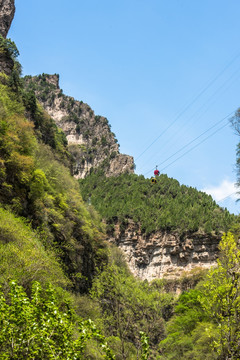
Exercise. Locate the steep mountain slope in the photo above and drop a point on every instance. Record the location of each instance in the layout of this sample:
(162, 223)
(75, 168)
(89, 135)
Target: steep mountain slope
(90, 139)
(37, 188)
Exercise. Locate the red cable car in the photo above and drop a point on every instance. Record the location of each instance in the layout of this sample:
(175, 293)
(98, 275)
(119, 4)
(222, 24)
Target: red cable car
(156, 172)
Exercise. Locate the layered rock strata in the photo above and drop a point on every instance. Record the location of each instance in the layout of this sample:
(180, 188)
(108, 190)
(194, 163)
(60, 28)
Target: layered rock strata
(90, 139)
(163, 254)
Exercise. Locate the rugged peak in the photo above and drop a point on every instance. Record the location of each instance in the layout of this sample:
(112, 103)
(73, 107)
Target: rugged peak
(52, 80)
(90, 140)
(7, 11)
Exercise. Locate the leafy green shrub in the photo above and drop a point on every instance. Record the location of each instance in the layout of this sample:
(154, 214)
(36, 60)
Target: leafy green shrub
(35, 327)
(35, 183)
(128, 307)
(9, 46)
(22, 255)
(206, 320)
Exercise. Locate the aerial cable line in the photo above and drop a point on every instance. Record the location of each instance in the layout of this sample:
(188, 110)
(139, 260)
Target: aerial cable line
(192, 102)
(217, 123)
(182, 148)
(201, 114)
(209, 99)
(191, 148)
(195, 146)
(234, 193)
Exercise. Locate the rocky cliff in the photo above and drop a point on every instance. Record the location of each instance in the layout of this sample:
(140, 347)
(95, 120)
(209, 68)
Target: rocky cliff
(7, 11)
(164, 254)
(90, 139)
(6, 63)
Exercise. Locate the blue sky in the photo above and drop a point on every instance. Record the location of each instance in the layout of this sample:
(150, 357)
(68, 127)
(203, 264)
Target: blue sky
(166, 74)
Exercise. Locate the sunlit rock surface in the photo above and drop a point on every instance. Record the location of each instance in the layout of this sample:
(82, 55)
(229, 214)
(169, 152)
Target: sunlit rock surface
(164, 254)
(90, 139)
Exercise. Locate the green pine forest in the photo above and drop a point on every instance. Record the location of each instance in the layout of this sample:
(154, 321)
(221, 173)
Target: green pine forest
(165, 205)
(66, 293)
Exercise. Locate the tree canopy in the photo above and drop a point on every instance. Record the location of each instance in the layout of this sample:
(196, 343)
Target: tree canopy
(166, 205)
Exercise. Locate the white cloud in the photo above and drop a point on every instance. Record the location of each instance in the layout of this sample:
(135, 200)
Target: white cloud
(225, 189)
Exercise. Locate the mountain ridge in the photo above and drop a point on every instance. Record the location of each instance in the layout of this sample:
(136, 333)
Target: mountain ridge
(91, 142)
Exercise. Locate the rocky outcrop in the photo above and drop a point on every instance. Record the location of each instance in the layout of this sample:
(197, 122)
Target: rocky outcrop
(6, 63)
(163, 254)
(7, 11)
(90, 139)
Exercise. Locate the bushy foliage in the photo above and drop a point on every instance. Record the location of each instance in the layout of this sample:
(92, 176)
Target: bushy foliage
(162, 206)
(10, 51)
(206, 320)
(36, 328)
(9, 46)
(130, 307)
(221, 300)
(17, 146)
(36, 184)
(23, 257)
(66, 224)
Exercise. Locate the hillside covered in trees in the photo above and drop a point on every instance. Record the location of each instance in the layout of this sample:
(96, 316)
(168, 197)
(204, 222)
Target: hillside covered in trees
(166, 205)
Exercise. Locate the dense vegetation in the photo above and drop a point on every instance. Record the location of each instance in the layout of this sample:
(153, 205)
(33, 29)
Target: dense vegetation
(56, 271)
(35, 183)
(162, 206)
(206, 324)
(36, 328)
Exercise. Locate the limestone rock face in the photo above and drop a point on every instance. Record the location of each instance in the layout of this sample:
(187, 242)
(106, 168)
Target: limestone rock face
(165, 254)
(90, 139)
(7, 11)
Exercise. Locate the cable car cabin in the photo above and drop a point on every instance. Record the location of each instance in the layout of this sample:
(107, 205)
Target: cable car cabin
(156, 172)
(153, 180)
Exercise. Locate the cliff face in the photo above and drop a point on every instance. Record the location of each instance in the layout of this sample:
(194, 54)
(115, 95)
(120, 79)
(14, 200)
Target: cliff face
(7, 11)
(90, 139)
(164, 254)
(6, 63)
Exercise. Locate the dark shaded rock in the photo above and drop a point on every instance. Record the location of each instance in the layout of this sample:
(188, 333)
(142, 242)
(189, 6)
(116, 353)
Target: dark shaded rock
(6, 63)
(7, 11)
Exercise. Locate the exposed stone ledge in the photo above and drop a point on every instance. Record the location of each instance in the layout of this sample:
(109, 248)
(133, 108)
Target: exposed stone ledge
(164, 254)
